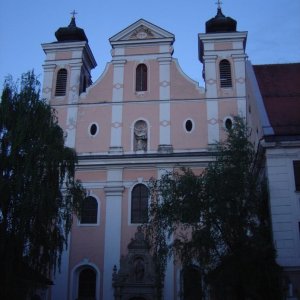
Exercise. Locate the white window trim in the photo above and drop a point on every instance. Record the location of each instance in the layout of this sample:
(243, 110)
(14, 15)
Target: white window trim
(74, 284)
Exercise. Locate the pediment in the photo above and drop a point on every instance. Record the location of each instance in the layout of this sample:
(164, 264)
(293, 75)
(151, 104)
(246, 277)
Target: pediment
(142, 31)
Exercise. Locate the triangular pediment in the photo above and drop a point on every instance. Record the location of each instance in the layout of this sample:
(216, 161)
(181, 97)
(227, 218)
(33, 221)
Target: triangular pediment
(142, 31)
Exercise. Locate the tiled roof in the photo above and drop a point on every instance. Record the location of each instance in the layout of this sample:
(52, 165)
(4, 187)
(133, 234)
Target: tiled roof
(279, 85)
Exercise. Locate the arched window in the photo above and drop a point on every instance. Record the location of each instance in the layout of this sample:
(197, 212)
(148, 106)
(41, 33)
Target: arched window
(139, 204)
(140, 136)
(61, 82)
(141, 78)
(89, 211)
(225, 74)
(87, 284)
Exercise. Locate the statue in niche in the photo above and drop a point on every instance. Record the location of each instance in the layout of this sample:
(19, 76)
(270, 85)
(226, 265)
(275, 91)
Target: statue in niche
(140, 136)
(139, 269)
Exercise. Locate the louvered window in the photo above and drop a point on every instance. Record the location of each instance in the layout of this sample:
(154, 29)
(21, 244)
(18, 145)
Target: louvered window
(89, 211)
(225, 74)
(61, 82)
(296, 164)
(139, 204)
(141, 78)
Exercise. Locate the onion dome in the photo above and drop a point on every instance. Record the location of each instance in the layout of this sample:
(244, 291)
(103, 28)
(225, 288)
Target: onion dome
(70, 33)
(220, 23)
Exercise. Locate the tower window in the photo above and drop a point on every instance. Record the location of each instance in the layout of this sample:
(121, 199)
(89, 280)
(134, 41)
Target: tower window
(139, 204)
(61, 82)
(141, 78)
(225, 74)
(89, 211)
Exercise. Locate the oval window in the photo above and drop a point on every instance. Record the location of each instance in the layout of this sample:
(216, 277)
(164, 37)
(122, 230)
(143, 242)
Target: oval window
(228, 123)
(93, 129)
(188, 125)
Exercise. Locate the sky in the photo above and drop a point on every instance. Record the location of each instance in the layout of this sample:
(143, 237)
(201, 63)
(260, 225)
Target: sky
(273, 29)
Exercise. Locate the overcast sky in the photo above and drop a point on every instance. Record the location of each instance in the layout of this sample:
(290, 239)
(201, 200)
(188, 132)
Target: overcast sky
(273, 29)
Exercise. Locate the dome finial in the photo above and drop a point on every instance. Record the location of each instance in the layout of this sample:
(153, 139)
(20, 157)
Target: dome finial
(73, 13)
(219, 4)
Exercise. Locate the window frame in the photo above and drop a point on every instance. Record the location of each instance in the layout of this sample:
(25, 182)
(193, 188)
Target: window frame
(61, 82)
(141, 205)
(141, 78)
(97, 215)
(225, 74)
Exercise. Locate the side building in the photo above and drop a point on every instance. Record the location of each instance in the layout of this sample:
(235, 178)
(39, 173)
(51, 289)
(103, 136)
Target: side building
(273, 96)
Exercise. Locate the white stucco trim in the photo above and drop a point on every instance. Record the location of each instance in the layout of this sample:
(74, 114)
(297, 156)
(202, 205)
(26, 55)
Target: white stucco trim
(213, 121)
(112, 246)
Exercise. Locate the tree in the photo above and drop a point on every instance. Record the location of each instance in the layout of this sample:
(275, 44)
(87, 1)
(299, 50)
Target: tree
(219, 219)
(39, 193)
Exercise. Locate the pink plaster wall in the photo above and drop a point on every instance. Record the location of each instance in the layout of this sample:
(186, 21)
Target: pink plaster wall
(100, 114)
(142, 50)
(181, 86)
(87, 241)
(223, 46)
(60, 55)
(153, 81)
(101, 90)
(180, 112)
(61, 113)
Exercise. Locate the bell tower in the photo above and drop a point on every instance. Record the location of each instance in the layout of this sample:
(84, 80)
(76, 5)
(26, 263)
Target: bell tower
(68, 64)
(222, 52)
(67, 73)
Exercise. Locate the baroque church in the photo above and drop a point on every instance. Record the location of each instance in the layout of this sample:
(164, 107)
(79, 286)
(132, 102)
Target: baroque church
(143, 117)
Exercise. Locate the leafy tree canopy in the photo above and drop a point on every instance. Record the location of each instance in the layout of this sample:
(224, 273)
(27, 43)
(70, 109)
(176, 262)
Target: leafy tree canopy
(220, 220)
(39, 193)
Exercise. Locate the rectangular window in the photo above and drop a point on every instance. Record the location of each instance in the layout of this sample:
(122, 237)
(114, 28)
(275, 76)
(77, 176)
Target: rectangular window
(297, 174)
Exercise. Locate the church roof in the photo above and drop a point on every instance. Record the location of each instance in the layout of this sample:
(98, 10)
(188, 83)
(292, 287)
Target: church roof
(70, 33)
(279, 86)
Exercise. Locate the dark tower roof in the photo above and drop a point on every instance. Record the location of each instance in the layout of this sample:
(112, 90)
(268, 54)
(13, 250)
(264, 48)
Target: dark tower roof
(70, 33)
(220, 23)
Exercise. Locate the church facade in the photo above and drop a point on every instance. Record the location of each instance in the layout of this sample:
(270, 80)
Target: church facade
(142, 117)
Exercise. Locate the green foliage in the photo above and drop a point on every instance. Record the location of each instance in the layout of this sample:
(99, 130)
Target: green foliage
(219, 219)
(39, 193)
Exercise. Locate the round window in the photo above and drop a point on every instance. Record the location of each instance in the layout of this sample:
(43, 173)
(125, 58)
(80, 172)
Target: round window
(228, 123)
(188, 125)
(93, 129)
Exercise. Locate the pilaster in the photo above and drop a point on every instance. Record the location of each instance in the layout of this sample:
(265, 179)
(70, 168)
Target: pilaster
(112, 240)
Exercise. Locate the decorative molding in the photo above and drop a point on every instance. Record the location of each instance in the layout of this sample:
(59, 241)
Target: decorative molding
(142, 32)
(240, 80)
(211, 81)
(212, 121)
(116, 124)
(165, 123)
(164, 83)
(118, 86)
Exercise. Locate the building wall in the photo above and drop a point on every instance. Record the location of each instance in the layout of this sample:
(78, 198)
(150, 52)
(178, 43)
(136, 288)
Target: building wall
(109, 167)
